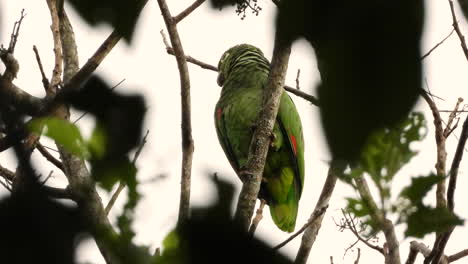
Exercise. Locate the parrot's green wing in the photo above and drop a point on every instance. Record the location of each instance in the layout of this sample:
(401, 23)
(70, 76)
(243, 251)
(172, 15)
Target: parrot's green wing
(284, 168)
(234, 120)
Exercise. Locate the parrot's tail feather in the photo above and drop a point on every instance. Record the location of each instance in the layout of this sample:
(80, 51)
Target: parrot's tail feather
(284, 214)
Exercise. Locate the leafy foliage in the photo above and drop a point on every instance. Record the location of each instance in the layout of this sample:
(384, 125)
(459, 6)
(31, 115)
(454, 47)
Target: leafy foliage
(211, 235)
(63, 132)
(118, 130)
(38, 229)
(368, 55)
(422, 219)
(120, 14)
(386, 152)
(242, 6)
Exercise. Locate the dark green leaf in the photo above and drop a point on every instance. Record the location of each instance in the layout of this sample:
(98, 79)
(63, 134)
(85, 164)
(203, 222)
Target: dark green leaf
(120, 14)
(107, 174)
(419, 187)
(63, 132)
(368, 56)
(464, 7)
(427, 220)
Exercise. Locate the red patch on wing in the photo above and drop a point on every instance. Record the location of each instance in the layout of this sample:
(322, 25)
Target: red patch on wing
(294, 143)
(219, 112)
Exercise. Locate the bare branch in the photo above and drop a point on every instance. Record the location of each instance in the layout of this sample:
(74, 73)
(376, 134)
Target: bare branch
(6, 55)
(310, 234)
(437, 45)
(349, 224)
(187, 11)
(15, 33)
(49, 156)
(313, 100)
(194, 61)
(441, 151)
(455, 165)
(457, 256)
(313, 218)
(457, 29)
(207, 66)
(358, 256)
(45, 81)
(442, 240)
(448, 129)
(57, 72)
(392, 254)
(258, 217)
(297, 79)
(415, 248)
(187, 141)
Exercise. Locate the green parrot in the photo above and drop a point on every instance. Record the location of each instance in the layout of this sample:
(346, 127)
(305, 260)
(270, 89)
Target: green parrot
(243, 73)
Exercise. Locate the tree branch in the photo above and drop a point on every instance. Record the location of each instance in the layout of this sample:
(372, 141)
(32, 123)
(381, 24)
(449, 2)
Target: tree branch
(457, 29)
(187, 11)
(187, 141)
(441, 151)
(442, 240)
(49, 156)
(81, 185)
(45, 81)
(392, 254)
(258, 149)
(437, 45)
(315, 220)
(349, 224)
(458, 255)
(57, 72)
(313, 100)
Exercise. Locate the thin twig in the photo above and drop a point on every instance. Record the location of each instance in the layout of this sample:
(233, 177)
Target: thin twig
(441, 151)
(207, 66)
(45, 81)
(86, 112)
(297, 79)
(49, 157)
(121, 186)
(457, 29)
(188, 11)
(313, 218)
(351, 226)
(448, 129)
(358, 256)
(187, 141)
(310, 234)
(258, 217)
(437, 45)
(15, 33)
(391, 250)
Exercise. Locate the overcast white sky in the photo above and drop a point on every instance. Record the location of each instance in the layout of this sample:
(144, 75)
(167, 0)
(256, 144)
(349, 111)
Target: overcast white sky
(205, 35)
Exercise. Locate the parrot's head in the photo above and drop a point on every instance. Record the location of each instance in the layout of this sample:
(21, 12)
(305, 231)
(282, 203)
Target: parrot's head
(239, 55)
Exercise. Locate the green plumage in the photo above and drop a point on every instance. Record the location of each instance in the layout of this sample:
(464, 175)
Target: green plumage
(243, 73)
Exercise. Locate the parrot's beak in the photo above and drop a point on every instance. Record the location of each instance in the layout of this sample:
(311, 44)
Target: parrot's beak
(220, 79)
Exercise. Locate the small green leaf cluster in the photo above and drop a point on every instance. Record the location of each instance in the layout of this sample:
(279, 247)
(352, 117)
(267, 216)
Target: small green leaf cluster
(386, 152)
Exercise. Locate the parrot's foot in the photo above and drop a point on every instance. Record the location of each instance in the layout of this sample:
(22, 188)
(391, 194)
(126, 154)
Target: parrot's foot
(274, 142)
